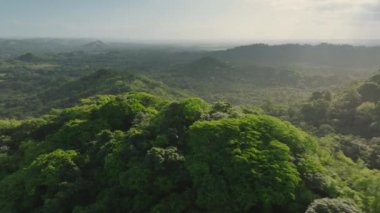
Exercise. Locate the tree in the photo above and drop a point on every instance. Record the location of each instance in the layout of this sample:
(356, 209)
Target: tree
(47, 184)
(237, 166)
(370, 91)
(327, 205)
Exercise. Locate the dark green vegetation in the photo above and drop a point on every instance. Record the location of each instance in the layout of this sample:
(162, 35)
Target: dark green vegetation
(85, 128)
(322, 55)
(348, 118)
(31, 93)
(354, 110)
(244, 75)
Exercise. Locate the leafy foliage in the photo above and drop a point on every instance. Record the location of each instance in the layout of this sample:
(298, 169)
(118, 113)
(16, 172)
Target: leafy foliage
(333, 206)
(136, 153)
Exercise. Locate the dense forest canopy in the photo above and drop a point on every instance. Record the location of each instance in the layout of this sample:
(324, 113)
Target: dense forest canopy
(94, 126)
(136, 152)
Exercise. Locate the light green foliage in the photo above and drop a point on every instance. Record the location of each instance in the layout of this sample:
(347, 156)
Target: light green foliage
(355, 180)
(6, 124)
(237, 164)
(49, 169)
(327, 205)
(365, 112)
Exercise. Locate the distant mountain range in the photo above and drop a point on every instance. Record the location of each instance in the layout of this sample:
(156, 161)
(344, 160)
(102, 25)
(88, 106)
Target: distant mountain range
(321, 55)
(327, 55)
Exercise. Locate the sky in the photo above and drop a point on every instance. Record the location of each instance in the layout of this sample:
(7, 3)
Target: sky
(192, 20)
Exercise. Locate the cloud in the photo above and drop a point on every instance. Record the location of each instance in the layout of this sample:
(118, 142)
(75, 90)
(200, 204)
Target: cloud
(372, 12)
(327, 5)
(196, 19)
(324, 19)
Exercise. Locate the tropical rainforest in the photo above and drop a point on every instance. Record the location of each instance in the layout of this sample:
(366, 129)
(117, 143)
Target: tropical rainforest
(91, 126)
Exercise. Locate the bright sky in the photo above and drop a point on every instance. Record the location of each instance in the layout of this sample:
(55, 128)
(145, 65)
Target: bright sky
(192, 19)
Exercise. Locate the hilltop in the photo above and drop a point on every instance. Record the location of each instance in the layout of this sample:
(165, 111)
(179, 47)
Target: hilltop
(139, 153)
(67, 93)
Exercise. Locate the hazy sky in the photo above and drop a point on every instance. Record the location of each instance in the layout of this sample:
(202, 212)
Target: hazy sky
(192, 19)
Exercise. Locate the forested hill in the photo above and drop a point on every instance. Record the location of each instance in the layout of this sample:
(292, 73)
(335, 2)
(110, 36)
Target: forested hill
(355, 109)
(58, 93)
(327, 55)
(107, 82)
(139, 153)
(348, 119)
(214, 79)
